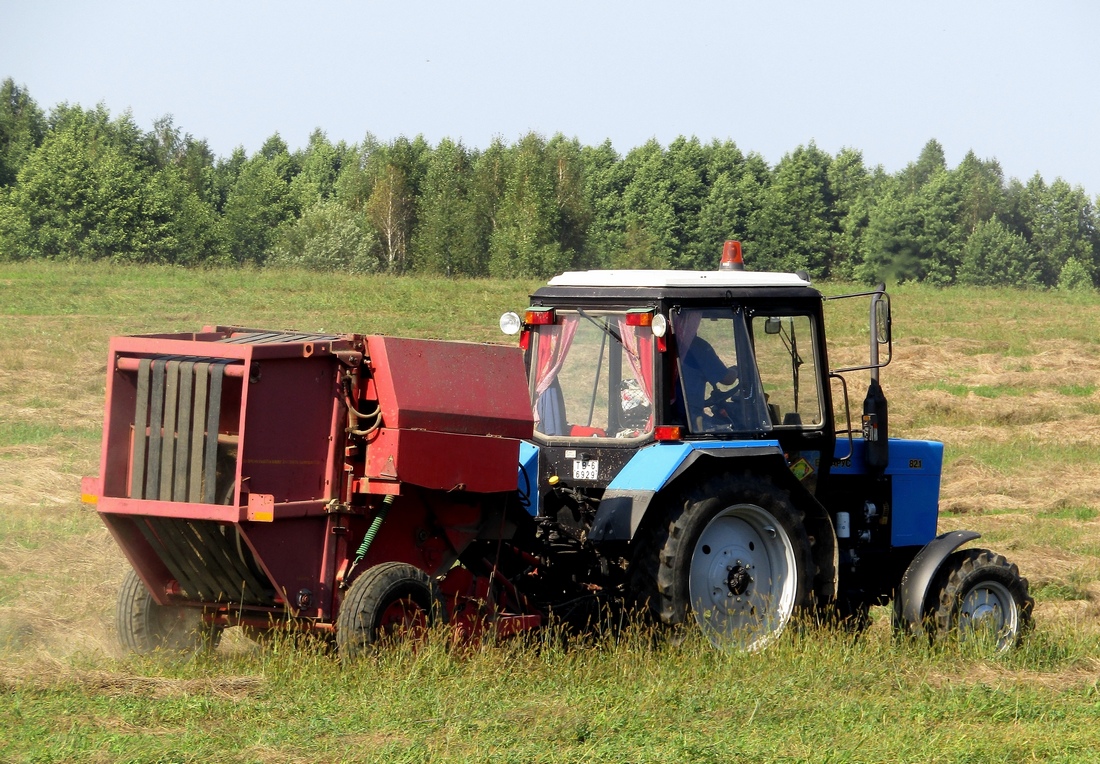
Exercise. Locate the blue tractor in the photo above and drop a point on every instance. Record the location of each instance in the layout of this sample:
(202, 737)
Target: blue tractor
(693, 454)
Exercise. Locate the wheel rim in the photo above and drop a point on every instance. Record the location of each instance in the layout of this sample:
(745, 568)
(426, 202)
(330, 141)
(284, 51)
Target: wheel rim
(989, 611)
(403, 617)
(742, 580)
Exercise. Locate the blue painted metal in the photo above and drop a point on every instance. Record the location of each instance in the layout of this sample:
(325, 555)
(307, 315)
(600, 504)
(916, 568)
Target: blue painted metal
(653, 466)
(650, 467)
(529, 477)
(915, 468)
(649, 470)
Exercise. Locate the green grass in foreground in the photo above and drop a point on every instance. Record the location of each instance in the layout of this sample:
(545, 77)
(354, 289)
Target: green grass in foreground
(820, 696)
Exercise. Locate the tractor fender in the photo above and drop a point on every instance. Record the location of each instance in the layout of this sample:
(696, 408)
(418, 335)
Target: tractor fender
(628, 496)
(919, 575)
(625, 505)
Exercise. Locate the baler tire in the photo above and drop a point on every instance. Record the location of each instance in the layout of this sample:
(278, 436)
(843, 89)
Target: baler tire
(750, 521)
(979, 591)
(389, 600)
(144, 627)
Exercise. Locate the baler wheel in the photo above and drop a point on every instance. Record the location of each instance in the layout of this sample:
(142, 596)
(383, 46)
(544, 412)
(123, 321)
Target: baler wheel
(982, 597)
(388, 601)
(145, 627)
(734, 553)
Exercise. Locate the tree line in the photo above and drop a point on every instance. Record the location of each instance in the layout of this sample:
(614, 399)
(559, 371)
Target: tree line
(80, 184)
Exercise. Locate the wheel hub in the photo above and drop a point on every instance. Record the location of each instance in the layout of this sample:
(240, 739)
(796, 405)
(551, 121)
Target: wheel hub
(989, 609)
(738, 580)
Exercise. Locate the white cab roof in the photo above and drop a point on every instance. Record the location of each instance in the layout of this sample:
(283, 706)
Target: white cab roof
(639, 278)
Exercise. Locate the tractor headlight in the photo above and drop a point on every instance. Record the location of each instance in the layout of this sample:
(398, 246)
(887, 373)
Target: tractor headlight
(659, 325)
(510, 323)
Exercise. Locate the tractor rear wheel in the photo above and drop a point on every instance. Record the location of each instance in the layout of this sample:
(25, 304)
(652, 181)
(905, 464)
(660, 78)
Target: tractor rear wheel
(734, 554)
(388, 601)
(145, 627)
(982, 599)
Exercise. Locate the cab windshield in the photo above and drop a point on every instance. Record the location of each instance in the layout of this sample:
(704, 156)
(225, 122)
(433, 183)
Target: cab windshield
(592, 376)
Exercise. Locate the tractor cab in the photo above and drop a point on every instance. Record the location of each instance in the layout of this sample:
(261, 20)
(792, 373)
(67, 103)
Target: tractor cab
(621, 360)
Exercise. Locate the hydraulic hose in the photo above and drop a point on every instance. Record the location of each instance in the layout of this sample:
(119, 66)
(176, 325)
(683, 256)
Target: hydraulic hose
(368, 537)
(355, 416)
(372, 531)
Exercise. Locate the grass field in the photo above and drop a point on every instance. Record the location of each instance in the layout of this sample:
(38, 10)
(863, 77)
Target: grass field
(1009, 381)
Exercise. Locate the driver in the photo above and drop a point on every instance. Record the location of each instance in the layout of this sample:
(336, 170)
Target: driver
(702, 366)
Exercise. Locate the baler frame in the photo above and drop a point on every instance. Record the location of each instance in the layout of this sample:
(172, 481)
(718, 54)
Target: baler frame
(240, 474)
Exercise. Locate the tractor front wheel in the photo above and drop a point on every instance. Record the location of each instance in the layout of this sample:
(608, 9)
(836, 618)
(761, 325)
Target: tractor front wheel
(145, 627)
(982, 600)
(388, 601)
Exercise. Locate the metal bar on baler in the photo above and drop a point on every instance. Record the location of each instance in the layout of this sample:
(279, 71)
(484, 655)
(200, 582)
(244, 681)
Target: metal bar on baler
(168, 451)
(152, 476)
(213, 552)
(235, 569)
(213, 419)
(141, 418)
(249, 338)
(183, 433)
(201, 556)
(202, 374)
(185, 557)
(176, 568)
(131, 364)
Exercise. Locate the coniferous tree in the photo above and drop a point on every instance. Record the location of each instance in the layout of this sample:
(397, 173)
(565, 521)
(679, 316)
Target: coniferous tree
(448, 238)
(22, 129)
(604, 182)
(794, 228)
(524, 241)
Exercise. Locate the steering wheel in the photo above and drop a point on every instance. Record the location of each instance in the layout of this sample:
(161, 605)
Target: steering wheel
(728, 406)
(736, 394)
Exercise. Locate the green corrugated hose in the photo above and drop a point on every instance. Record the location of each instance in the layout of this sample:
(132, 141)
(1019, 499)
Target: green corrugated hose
(368, 537)
(372, 531)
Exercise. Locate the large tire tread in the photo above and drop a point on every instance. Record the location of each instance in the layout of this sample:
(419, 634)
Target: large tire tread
(144, 627)
(660, 555)
(962, 572)
(358, 622)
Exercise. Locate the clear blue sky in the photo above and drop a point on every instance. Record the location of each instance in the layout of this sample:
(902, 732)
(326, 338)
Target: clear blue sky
(1012, 80)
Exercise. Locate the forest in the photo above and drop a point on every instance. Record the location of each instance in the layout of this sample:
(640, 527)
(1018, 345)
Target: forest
(80, 184)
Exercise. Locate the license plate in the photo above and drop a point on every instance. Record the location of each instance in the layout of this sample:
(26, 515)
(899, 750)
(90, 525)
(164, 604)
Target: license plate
(586, 469)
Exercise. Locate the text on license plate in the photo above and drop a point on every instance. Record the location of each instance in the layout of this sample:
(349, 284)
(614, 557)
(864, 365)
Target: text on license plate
(586, 469)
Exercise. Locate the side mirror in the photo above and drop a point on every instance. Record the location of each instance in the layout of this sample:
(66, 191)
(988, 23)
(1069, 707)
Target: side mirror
(882, 318)
(772, 325)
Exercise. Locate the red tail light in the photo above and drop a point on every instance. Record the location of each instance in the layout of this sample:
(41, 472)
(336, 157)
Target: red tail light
(668, 432)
